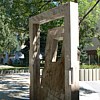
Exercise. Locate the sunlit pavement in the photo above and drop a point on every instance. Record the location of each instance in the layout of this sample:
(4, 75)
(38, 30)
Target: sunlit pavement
(14, 87)
(89, 90)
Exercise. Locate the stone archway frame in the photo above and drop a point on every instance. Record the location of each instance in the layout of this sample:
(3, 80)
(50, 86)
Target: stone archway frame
(69, 12)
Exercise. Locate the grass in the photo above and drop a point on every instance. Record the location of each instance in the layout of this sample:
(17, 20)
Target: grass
(89, 66)
(26, 68)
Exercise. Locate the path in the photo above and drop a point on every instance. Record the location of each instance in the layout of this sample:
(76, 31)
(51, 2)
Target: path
(14, 87)
(90, 90)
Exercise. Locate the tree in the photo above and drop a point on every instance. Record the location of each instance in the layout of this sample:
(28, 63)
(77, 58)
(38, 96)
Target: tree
(88, 26)
(7, 38)
(89, 17)
(20, 11)
(98, 53)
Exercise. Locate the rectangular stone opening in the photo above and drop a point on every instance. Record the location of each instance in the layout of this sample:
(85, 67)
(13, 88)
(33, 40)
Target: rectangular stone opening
(59, 51)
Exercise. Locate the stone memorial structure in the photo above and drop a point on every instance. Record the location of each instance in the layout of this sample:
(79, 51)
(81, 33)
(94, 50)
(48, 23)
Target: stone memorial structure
(60, 76)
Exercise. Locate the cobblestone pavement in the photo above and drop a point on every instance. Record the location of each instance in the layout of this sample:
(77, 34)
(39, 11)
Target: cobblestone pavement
(14, 87)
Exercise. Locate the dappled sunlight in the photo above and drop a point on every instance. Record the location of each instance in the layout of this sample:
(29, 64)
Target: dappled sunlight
(14, 87)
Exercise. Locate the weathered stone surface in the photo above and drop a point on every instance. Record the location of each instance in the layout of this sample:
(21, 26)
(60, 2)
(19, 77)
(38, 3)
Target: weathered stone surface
(53, 81)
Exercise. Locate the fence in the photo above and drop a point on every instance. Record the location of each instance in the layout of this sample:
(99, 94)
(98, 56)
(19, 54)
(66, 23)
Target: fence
(3, 72)
(89, 74)
(84, 74)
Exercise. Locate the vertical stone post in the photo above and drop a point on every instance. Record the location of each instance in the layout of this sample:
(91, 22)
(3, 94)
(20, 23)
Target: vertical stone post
(71, 42)
(34, 63)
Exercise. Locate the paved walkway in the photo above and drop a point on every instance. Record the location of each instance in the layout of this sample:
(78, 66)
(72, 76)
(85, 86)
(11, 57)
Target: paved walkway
(14, 87)
(90, 90)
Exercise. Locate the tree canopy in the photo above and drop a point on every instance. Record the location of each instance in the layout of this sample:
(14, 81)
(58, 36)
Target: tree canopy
(88, 27)
(17, 13)
(7, 37)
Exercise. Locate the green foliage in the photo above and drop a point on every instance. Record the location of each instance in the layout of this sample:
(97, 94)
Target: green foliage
(7, 38)
(17, 12)
(20, 11)
(83, 56)
(98, 52)
(52, 24)
(88, 26)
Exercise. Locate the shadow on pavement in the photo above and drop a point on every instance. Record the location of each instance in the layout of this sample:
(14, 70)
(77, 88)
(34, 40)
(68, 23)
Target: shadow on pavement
(14, 87)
